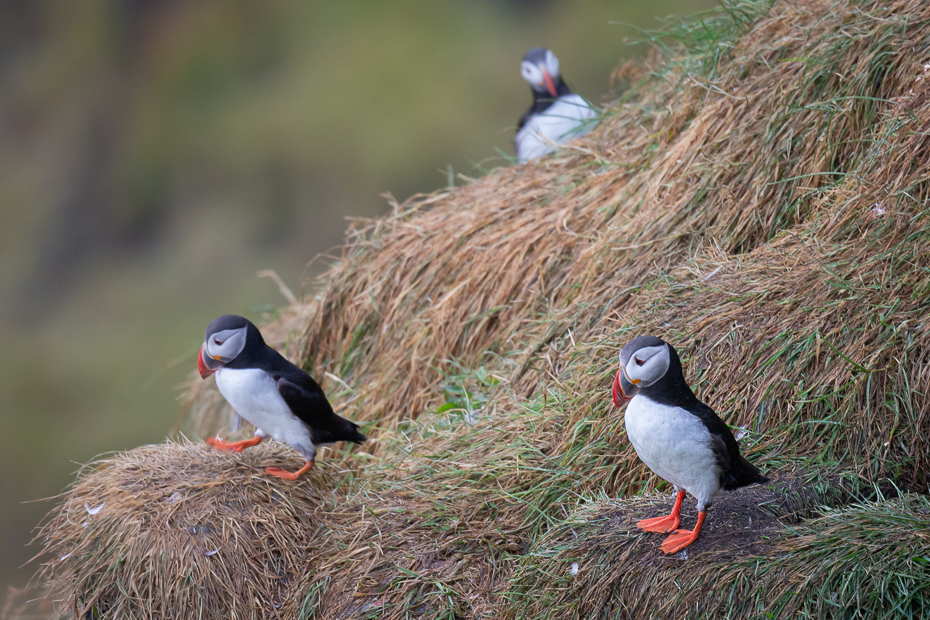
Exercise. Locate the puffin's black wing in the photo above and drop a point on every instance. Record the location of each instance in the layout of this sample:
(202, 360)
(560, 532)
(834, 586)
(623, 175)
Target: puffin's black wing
(735, 470)
(311, 406)
(305, 398)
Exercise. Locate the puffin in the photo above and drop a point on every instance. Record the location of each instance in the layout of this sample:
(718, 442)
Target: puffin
(677, 436)
(277, 397)
(557, 114)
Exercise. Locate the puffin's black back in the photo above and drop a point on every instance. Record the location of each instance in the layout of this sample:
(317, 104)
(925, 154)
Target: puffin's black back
(673, 390)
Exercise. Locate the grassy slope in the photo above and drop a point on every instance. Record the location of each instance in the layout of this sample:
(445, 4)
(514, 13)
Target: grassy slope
(758, 199)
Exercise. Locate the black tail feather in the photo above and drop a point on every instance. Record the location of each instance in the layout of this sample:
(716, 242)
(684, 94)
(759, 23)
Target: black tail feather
(357, 437)
(348, 432)
(743, 473)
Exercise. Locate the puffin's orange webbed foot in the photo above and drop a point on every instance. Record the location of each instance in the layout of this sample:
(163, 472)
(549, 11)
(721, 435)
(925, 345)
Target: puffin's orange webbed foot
(283, 473)
(664, 525)
(234, 446)
(659, 525)
(682, 538)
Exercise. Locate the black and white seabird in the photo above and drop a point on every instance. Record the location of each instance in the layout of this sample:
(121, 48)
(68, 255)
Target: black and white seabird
(280, 399)
(680, 438)
(557, 114)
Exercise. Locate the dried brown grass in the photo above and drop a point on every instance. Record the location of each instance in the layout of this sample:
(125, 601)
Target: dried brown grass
(716, 165)
(182, 527)
(760, 202)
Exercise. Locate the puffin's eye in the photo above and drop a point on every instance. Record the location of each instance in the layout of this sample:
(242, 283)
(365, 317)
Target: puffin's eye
(218, 342)
(638, 361)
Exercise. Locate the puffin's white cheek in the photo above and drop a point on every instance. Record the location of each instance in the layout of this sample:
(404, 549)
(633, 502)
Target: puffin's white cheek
(531, 74)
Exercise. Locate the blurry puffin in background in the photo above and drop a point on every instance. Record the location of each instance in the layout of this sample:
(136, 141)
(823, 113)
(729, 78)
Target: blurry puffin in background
(557, 114)
(276, 396)
(680, 438)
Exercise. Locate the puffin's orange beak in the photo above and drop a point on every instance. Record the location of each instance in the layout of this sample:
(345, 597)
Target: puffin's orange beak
(620, 398)
(203, 365)
(550, 84)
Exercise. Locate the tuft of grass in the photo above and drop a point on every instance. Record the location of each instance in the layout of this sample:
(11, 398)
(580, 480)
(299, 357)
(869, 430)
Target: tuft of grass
(181, 530)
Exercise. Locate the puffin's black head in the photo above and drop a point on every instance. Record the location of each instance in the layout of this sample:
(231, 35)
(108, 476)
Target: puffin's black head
(644, 361)
(224, 341)
(540, 68)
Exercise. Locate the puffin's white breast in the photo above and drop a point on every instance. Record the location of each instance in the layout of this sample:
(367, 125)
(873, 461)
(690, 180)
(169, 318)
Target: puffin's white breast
(254, 395)
(569, 117)
(675, 445)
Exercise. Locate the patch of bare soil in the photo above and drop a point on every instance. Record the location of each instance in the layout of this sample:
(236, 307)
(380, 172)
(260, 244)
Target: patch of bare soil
(740, 523)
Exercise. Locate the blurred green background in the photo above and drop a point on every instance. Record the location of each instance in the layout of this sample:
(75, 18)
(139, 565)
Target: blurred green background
(156, 154)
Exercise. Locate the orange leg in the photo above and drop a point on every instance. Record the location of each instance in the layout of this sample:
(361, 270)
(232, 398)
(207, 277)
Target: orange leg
(663, 525)
(282, 473)
(235, 446)
(682, 538)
